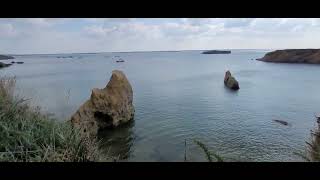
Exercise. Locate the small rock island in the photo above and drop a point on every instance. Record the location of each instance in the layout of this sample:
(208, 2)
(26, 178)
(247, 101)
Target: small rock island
(107, 108)
(216, 52)
(308, 56)
(3, 57)
(230, 81)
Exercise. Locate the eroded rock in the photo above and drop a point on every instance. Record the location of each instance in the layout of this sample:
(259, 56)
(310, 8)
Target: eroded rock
(230, 81)
(106, 108)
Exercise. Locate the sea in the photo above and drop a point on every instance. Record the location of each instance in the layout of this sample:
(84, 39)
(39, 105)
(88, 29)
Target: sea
(180, 99)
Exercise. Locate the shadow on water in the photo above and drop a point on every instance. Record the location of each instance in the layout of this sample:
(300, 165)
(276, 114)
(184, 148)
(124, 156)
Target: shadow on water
(231, 91)
(117, 142)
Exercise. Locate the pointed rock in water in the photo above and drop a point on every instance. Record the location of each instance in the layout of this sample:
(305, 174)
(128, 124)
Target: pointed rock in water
(106, 108)
(230, 81)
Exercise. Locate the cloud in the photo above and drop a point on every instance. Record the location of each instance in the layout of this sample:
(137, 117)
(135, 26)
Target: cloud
(7, 31)
(49, 35)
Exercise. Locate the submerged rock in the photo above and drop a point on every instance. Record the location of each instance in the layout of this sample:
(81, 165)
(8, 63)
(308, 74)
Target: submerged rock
(311, 56)
(230, 81)
(281, 122)
(106, 108)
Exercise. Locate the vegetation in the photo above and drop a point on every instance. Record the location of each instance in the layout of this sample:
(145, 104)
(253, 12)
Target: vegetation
(26, 135)
(209, 154)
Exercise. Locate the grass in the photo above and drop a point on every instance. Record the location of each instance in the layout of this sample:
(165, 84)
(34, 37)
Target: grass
(26, 135)
(209, 154)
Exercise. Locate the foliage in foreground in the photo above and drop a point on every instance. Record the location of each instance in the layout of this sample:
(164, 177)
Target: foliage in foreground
(27, 135)
(209, 154)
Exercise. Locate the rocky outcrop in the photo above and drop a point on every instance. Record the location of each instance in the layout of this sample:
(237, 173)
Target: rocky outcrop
(2, 57)
(2, 65)
(216, 52)
(230, 81)
(310, 56)
(106, 108)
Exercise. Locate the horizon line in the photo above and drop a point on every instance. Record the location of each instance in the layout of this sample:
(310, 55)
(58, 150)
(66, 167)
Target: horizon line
(136, 51)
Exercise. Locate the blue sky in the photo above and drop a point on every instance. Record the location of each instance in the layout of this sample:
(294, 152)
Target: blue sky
(45, 35)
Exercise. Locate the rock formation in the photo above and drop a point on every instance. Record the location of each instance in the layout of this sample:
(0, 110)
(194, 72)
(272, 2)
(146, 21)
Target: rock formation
(2, 65)
(311, 56)
(230, 81)
(106, 108)
(216, 52)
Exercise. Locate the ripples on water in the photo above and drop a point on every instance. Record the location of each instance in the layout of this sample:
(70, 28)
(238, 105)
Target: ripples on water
(180, 96)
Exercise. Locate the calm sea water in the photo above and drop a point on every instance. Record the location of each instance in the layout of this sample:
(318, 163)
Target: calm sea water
(180, 96)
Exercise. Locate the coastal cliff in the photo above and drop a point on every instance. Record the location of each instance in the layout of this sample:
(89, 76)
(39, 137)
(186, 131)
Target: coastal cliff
(309, 56)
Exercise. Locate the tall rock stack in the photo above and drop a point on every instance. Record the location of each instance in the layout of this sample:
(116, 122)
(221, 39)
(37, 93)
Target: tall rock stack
(230, 81)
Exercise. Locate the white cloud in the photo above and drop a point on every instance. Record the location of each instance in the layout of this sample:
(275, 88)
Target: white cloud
(7, 31)
(48, 35)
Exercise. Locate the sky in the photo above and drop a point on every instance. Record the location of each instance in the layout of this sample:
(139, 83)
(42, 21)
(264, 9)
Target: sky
(57, 35)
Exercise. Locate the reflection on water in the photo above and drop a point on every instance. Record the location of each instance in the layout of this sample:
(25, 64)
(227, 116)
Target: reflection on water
(117, 142)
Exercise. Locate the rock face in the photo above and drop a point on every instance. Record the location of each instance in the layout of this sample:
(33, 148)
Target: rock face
(311, 56)
(106, 108)
(216, 52)
(230, 81)
(5, 57)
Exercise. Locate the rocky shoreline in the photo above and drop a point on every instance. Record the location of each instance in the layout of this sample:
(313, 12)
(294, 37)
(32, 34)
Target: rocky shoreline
(2, 65)
(308, 56)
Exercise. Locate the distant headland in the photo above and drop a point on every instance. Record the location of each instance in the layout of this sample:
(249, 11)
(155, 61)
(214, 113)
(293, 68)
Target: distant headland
(2, 57)
(309, 56)
(216, 52)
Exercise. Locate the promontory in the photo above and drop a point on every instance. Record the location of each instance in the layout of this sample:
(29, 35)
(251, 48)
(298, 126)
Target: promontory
(309, 56)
